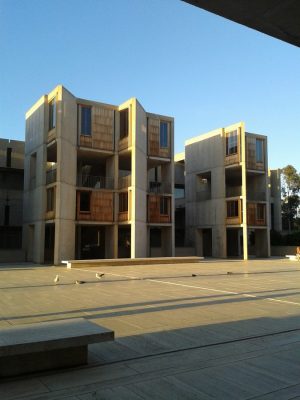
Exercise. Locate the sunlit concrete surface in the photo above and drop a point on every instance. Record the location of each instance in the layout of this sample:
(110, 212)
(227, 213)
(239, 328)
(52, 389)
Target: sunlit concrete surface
(230, 332)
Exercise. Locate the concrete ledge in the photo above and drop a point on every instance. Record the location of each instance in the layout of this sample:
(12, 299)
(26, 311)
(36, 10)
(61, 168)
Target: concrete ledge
(48, 345)
(132, 261)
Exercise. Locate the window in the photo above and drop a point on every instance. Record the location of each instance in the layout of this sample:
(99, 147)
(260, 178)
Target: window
(85, 201)
(123, 202)
(259, 151)
(124, 123)
(6, 215)
(86, 121)
(8, 156)
(260, 212)
(50, 199)
(52, 114)
(163, 138)
(179, 191)
(231, 143)
(232, 209)
(164, 206)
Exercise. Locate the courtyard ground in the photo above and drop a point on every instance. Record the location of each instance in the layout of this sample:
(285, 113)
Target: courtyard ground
(230, 332)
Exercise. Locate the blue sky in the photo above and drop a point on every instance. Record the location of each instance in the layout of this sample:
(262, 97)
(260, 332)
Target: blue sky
(178, 60)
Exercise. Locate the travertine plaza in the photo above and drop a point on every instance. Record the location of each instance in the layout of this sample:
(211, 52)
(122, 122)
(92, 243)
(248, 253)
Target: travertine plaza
(212, 335)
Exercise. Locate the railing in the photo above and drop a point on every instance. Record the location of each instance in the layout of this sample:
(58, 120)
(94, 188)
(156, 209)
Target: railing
(233, 191)
(256, 196)
(50, 176)
(160, 187)
(96, 182)
(202, 196)
(124, 182)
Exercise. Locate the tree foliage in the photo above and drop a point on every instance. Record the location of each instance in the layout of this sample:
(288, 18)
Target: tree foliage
(290, 187)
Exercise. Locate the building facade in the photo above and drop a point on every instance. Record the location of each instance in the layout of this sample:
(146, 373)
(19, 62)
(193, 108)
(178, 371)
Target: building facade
(98, 180)
(224, 209)
(11, 199)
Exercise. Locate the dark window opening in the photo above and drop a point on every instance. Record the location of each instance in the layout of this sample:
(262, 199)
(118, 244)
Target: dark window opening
(52, 114)
(86, 121)
(123, 202)
(8, 156)
(232, 209)
(6, 215)
(50, 199)
(231, 143)
(164, 206)
(85, 201)
(163, 138)
(124, 123)
(155, 237)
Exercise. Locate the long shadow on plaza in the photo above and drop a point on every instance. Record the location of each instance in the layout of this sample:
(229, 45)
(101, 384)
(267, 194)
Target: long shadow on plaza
(147, 307)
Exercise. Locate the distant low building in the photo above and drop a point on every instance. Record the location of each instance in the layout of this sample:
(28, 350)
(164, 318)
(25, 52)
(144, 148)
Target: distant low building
(11, 199)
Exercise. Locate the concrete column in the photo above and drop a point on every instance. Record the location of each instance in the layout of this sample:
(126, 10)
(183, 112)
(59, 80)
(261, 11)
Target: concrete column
(244, 191)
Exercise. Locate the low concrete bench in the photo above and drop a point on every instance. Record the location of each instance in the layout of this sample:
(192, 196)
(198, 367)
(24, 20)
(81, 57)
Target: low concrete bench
(48, 345)
(131, 261)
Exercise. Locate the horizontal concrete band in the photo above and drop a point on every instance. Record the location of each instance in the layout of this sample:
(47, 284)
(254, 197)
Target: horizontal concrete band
(132, 261)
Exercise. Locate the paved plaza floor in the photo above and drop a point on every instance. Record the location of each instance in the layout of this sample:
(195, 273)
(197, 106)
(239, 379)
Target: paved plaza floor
(232, 331)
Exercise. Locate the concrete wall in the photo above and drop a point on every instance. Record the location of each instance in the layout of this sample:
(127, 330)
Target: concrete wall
(283, 250)
(17, 153)
(12, 256)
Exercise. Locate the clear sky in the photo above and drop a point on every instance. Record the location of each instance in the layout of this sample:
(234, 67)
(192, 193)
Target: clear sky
(177, 59)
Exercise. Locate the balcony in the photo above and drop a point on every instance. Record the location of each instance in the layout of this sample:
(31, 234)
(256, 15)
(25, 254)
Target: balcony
(51, 175)
(233, 191)
(95, 182)
(124, 182)
(160, 187)
(159, 209)
(256, 196)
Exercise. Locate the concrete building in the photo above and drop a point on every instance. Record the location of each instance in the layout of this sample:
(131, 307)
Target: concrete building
(11, 199)
(98, 180)
(222, 194)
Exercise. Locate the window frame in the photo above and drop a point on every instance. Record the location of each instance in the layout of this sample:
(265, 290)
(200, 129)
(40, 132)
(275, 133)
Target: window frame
(124, 123)
(232, 136)
(260, 152)
(163, 135)
(260, 207)
(84, 123)
(164, 205)
(50, 199)
(123, 202)
(52, 114)
(229, 209)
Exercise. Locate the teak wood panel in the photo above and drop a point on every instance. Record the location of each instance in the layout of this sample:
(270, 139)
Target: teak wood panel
(251, 155)
(154, 214)
(102, 137)
(234, 158)
(238, 220)
(252, 215)
(101, 207)
(154, 148)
